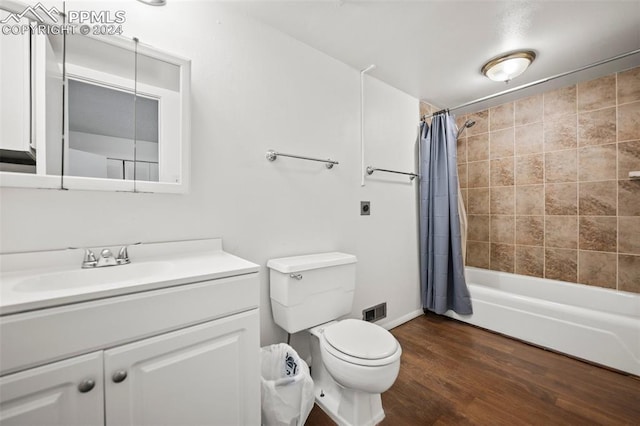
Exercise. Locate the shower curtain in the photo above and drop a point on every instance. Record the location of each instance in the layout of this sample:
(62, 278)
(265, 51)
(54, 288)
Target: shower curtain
(443, 285)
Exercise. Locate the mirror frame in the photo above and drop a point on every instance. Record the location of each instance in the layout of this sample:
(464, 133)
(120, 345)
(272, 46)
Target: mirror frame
(64, 182)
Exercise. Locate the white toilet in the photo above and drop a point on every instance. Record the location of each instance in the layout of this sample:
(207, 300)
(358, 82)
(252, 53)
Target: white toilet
(353, 361)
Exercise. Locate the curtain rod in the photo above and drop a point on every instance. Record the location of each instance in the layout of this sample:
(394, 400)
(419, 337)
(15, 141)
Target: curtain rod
(533, 83)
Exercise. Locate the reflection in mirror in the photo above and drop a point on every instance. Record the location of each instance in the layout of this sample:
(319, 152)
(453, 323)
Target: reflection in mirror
(123, 110)
(157, 120)
(99, 109)
(101, 133)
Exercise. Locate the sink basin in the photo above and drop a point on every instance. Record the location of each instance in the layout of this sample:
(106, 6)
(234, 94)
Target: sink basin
(76, 278)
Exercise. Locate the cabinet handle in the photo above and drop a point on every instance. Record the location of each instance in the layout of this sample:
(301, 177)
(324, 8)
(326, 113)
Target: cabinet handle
(119, 376)
(86, 385)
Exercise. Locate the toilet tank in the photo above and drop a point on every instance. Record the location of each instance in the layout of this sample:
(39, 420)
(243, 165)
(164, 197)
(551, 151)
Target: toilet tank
(312, 289)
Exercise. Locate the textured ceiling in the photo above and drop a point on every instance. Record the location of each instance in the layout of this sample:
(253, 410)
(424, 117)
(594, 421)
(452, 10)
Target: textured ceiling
(433, 50)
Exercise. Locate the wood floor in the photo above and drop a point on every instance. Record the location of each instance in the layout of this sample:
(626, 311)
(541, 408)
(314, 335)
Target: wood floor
(455, 374)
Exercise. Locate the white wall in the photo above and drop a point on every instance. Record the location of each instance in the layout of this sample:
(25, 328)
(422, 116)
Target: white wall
(255, 89)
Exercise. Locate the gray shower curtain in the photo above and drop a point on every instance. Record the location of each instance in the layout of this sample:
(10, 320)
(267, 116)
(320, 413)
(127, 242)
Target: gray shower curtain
(442, 279)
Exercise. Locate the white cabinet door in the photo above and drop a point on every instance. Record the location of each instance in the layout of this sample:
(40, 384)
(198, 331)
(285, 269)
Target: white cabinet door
(55, 394)
(207, 374)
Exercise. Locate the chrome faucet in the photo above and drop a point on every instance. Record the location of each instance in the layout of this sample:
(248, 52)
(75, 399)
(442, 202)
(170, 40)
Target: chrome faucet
(106, 258)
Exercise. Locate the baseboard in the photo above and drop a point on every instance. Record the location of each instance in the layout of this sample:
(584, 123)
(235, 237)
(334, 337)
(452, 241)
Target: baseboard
(399, 321)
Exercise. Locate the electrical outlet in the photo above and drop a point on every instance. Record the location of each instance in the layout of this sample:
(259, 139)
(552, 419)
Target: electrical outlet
(365, 208)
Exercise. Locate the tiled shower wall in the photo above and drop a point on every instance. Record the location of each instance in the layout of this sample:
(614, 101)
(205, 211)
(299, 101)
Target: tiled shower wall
(545, 182)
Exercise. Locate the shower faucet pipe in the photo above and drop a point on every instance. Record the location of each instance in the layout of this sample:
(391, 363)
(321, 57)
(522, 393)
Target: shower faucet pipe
(362, 166)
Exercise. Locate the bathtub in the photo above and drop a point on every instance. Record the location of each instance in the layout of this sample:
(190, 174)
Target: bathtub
(592, 323)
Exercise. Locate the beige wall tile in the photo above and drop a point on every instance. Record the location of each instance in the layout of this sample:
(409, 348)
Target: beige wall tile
(561, 264)
(560, 102)
(502, 172)
(478, 174)
(529, 139)
(465, 199)
(502, 229)
(629, 234)
(560, 133)
(502, 200)
(628, 158)
(501, 143)
(561, 232)
(478, 254)
(597, 233)
(598, 93)
(597, 163)
(561, 199)
(425, 109)
(478, 147)
(597, 127)
(629, 197)
(597, 269)
(461, 151)
(561, 166)
(462, 175)
(501, 117)
(629, 86)
(530, 200)
(629, 273)
(560, 162)
(597, 198)
(503, 257)
(530, 230)
(629, 122)
(528, 110)
(478, 201)
(530, 261)
(478, 227)
(482, 123)
(460, 119)
(530, 169)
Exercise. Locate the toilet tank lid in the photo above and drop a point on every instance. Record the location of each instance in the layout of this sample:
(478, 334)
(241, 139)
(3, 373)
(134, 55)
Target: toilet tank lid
(288, 265)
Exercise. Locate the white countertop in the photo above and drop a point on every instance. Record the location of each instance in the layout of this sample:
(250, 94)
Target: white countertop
(38, 280)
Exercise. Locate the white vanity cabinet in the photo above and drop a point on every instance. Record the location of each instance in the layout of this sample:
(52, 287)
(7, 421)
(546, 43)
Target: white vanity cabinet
(49, 395)
(183, 354)
(196, 376)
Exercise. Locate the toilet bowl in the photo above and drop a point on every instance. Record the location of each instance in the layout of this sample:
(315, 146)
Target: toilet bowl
(353, 361)
(360, 355)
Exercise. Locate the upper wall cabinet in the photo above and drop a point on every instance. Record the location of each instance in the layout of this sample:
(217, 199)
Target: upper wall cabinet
(93, 112)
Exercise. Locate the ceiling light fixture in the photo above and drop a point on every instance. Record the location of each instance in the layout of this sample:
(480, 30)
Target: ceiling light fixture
(154, 2)
(509, 66)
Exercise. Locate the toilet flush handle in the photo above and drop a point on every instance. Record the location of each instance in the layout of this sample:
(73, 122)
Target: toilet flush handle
(296, 276)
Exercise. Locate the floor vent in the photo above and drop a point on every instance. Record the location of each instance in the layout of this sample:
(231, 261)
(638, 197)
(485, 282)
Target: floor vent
(375, 313)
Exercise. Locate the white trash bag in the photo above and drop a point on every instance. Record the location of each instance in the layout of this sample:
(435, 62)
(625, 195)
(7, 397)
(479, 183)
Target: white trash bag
(287, 387)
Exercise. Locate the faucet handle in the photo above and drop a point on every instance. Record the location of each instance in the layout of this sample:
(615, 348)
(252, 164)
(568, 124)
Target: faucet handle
(123, 254)
(89, 260)
(106, 253)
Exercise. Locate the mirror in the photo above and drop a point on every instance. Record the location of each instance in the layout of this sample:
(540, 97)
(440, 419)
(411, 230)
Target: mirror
(120, 121)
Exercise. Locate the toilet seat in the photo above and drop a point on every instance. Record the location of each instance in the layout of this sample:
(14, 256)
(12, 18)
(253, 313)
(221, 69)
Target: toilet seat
(360, 342)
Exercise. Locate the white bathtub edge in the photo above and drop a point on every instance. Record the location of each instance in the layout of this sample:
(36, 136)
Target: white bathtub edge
(590, 335)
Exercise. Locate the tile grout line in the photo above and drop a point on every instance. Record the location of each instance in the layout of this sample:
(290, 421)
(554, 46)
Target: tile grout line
(617, 194)
(544, 194)
(578, 184)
